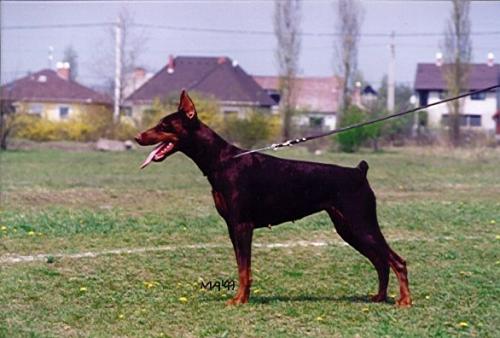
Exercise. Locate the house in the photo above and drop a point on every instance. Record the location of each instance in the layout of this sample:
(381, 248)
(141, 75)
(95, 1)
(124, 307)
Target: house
(52, 95)
(364, 97)
(219, 77)
(369, 95)
(478, 109)
(134, 80)
(317, 99)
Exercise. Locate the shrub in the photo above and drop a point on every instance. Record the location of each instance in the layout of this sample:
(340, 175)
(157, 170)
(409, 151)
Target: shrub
(37, 129)
(423, 118)
(257, 128)
(152, 115)
(74, 130)
(88, 127)
(121, 131)
(99, 122)
(351, 140)
(207, 108)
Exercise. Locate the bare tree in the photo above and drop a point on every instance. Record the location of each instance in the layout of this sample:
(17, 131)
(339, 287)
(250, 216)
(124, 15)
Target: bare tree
(350, 15)
(7, 122)
(458, 50)
(71, 57)
(287, 17)
(132, 46)
(9, 117)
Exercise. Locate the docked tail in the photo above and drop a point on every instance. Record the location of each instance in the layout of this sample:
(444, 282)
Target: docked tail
(363, 166)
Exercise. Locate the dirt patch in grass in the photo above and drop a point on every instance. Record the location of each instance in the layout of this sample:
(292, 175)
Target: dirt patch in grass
(453, 192)
(136, 202)
(130, 202)
(21, 144)
(474, 154)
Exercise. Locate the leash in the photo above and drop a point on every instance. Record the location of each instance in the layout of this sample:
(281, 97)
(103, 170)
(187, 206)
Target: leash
(289, 143)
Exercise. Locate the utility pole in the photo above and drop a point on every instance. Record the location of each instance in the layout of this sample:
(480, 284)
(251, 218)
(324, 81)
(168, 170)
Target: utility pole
(118, 68)
(391, 75)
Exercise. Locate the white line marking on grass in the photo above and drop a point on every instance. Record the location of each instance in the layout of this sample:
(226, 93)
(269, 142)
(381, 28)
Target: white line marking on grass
(15, 258)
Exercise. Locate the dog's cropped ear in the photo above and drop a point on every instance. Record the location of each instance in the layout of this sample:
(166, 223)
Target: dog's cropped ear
(186, 105)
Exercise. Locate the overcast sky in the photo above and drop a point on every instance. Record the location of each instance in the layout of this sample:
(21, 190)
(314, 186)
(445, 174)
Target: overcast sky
(24, 50)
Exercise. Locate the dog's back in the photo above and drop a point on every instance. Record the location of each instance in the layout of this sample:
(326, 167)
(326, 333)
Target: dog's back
(270, 190)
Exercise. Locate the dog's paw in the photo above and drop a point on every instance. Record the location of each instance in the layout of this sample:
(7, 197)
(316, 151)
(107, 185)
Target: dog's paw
(404, 302)
(236, 301)
(378, 298)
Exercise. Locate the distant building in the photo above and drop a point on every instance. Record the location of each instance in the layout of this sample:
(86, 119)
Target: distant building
(52, 95)
(478, 110)
(364, 97)
(134, 80)
(317, 99)
(219, 77)
(368, 95)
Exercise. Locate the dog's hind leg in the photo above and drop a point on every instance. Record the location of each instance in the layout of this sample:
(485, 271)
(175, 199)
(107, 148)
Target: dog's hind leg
(398, 264)
(370, 243)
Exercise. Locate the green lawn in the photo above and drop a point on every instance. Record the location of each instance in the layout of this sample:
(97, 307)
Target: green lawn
(439, 209)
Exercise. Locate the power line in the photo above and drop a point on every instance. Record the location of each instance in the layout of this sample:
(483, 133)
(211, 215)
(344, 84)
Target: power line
(319, 34)
(231, 31)
(256, 50)
(70, 25)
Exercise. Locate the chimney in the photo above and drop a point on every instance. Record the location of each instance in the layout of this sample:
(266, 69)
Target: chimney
(139, 73)
(171, 64)
(439, 59)
(63, 70)
(356, 97)
(491, 59)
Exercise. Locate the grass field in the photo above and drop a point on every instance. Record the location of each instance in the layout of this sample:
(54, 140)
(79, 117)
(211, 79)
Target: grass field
(439, 209)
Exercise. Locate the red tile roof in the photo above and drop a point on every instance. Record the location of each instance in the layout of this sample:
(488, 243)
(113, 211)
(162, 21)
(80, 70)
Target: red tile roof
(216, 76)
(315, 94)
(430, 76)
(46, 85)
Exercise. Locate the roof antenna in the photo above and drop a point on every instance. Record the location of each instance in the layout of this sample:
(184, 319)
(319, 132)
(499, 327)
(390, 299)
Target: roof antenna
(51, 56)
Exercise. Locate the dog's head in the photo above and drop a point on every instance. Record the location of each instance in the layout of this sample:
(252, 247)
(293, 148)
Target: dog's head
(171, 132)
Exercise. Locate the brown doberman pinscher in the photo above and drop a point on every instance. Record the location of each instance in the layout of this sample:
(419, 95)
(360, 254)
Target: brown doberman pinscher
(258, 190)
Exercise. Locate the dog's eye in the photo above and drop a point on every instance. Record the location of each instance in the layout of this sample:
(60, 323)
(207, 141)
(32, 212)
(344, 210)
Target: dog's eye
(165, 126)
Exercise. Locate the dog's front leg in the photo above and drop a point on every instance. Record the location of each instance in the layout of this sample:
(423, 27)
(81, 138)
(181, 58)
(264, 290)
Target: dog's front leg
(241, 236)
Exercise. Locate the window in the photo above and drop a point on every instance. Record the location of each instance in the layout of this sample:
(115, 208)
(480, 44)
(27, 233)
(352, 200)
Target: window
(35, 109)
(423, 97)
(276, 97)
(230, 113)
(445, 120)
(63, 112)
(475, 120)
(127, 111)
(463, 120)
(443, 94)
(316, 122)
(466, 120)
(14, 107)
(478, 96)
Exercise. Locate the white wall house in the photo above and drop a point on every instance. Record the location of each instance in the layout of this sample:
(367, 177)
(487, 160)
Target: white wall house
(478, 111)
(317, 100)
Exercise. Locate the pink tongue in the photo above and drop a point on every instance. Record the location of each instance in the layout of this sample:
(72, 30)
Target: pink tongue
(151, 155)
